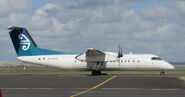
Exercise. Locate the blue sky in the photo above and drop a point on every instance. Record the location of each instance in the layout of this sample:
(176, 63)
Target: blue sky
(140, 26)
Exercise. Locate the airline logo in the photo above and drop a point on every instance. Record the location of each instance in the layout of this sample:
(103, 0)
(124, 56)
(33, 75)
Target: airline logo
(25, 42)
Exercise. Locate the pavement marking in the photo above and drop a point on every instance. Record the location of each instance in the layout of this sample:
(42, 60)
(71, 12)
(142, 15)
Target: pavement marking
(172, 89)
(90, 89)
(166, 89)
(122, 88)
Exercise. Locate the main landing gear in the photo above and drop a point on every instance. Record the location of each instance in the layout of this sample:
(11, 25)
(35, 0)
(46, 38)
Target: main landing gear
(162, 73)
(96, 68)
(95, 72)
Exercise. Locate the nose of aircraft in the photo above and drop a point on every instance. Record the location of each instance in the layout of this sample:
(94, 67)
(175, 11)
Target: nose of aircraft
(169, 66)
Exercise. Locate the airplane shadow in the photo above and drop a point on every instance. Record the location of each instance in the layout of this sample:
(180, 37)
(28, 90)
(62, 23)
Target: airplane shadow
(97, 75)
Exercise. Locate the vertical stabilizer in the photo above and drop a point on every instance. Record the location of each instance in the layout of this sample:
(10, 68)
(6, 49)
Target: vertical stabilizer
(25, 46)
(22, 41)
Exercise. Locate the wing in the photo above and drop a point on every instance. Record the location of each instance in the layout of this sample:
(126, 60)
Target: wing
(91, 55)
(95, 55)
(94, 52)
(96, 59)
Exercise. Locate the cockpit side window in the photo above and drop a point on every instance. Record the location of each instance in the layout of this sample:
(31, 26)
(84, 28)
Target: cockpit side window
(156, 58)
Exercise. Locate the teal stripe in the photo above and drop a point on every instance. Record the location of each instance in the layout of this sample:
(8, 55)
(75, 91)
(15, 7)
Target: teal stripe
(39, 51)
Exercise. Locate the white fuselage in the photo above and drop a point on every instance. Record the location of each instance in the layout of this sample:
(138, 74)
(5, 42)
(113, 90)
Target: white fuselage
(127, 62)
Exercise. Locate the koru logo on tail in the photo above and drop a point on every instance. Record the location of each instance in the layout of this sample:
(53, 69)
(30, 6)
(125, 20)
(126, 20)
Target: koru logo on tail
(24, 41)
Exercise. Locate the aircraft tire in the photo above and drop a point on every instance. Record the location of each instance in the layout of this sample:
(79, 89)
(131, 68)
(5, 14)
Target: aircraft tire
(162, 73)
(94, 72)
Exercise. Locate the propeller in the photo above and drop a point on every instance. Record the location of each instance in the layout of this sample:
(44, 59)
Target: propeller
(120, 52)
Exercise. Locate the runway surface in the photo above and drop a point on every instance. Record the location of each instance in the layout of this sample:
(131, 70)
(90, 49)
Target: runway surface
(91, 86)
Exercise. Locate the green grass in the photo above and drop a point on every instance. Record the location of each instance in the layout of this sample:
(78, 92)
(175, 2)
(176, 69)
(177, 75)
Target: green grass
(65, 73)
(182, 78)
(49, 70)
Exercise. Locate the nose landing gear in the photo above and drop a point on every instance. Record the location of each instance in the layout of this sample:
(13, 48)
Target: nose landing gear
(162, 73)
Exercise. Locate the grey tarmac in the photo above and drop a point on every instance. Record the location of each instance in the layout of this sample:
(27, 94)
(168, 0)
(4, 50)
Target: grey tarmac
(55, 85)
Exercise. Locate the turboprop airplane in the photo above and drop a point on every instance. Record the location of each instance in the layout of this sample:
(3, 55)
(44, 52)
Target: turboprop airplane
(92, 60)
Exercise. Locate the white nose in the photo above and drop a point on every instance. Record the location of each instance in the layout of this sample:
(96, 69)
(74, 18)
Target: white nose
(169, 66)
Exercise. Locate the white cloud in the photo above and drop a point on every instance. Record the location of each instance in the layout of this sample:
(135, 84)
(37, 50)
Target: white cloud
(48, 8)
(180, 5)
(159, 12)
(102, 24)
(9, 6)
(18, 19)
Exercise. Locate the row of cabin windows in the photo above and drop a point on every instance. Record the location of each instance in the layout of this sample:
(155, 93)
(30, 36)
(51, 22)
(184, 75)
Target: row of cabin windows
(130, 61)
(127, 61)
(75, 61)
(122, 61)
(47, 58)
(153, 58)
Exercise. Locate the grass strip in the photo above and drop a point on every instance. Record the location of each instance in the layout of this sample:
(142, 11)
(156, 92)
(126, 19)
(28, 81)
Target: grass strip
(108, 72)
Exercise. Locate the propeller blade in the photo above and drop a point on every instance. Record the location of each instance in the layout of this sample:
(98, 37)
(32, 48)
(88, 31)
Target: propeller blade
(120, 52)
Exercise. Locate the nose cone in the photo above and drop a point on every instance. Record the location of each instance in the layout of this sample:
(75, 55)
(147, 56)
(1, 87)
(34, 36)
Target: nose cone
(169, 66)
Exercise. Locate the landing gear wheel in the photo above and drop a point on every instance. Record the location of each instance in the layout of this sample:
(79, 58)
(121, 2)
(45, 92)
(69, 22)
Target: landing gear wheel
(98, 72)
(162, 73)
(94, 72)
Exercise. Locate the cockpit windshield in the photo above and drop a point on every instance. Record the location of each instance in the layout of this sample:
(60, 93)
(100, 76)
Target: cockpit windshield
(156, 58)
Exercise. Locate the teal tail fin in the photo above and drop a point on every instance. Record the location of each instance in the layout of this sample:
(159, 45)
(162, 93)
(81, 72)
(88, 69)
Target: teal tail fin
(22, 41)
(25, 46)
